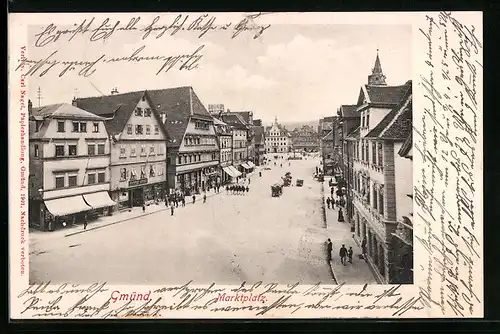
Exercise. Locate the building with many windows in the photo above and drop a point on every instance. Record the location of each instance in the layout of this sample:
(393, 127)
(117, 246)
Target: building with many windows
(260, 142)
(69, 153)
(385, 113)
(305, 139)
(278, 139)
(138, 149)
(225, 140)
(240, 141)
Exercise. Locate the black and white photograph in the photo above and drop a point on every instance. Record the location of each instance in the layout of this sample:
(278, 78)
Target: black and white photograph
(258, 163)
(245, 165)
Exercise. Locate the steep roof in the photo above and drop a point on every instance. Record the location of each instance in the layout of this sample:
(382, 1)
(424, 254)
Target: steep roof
(179, 104)
(119, 106)
(406, 147)
(234, 120)
(354, 134)
(63, 110)
(385, 94)
(245, 115)
(397, 124)
(348, 110)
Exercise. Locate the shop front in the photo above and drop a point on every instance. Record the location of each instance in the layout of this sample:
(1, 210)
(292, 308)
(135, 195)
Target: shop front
(140, 193)
(212, 178)
(100, 202)
(65, 211)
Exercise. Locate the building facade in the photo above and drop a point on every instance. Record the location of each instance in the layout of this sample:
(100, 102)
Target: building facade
(385, 114)
(69, 165)
(193, 150)
(305, 139)
(240, 140)
(225, 141)
(138, 146)
(278, 139)
(260, 142)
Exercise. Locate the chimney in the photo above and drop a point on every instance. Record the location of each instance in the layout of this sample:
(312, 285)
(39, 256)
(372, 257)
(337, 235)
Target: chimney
(114, 91)
(74, 102)
(30, 107)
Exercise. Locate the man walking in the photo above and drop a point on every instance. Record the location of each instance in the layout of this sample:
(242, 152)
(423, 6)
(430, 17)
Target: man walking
(194, 198)
(204, 198)
(328, 202)
(172, 209)
(329, 249)
(349, 254)
(85, 223)
(343, 254)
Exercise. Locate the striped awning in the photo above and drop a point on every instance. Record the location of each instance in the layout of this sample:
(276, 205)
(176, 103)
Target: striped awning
(67, 205)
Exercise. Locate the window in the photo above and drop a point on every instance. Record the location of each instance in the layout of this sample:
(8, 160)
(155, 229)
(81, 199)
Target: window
(60, 126)
(367, 150)
(38, 125)
(72, 181)
(101, 177)
(143, 150)
(374, 153)
(190, 159)
(129, 129)
(59, 150)
(147, 112)
(379, 149)
(362, 120)
(123, 174)
(95, 128)
(143, 172)
(36, 151)
(59, 182)
(185, 159)
(91, 149)
(138, 130)
(362, 151)
(157, 130)
(83, 126)
(133, 175)
(381, 203)
(122, 151)
(151, 171)
(148, 130)
(179, 160)
(100, 149)
(367, 120)
(138, 111)
(132, 151)
(76, 126)
(152, 150)
(375, 198)
(91, 179)
(72, 150)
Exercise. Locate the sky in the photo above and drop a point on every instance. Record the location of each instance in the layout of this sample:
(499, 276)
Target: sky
(293, 72)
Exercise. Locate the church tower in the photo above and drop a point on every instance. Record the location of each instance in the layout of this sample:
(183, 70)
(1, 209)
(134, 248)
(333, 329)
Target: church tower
(377, 78)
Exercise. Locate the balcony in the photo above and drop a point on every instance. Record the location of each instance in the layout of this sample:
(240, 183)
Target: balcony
(404, 231)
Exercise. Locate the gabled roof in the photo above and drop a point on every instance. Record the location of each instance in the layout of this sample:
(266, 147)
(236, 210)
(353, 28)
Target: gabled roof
(397, 124)
(406, 147)
(257, 122)
(354, 134)
(234, 120)
(382, 95)
(218, 122)
(119, 106)
(63, 110)
(245, 115)
(348, 111)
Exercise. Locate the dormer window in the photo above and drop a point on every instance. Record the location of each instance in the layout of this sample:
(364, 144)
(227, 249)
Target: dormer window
(138, 111)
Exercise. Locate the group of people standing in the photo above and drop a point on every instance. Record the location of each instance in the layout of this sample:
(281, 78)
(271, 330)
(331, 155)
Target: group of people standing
(344, 253)
(237, 189)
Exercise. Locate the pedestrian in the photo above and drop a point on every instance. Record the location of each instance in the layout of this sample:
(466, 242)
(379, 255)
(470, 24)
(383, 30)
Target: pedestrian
(281, 165)
(183, 200)
(85, 223)
(328, 202)
(363, 246)
(349, 254)
(194, 198)
(341, 216)
(343, 254)
(288, 164)
(248, 180)
(329, 249)
(248, 189)
(166, 202)
(172, 209)
(204, 198)
(260, 174)
(143, 207)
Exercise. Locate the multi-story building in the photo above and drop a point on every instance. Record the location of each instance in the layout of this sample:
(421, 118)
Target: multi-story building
(69, 164)
(138, 146)
(278, 139)
(324, 127)
(385, 113)
(240, 141)
(403, 243)
(305, 139)
(193, 151)
(260, 142)
(227, 172)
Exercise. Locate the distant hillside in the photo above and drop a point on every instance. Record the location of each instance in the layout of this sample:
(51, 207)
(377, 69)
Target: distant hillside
(292, 125)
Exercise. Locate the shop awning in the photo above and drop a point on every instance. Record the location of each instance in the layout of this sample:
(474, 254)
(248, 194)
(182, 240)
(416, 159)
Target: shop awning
(66, 205)
(236, 172)
(228, 171)
(250, 164)
(99, 200)
(245, 165)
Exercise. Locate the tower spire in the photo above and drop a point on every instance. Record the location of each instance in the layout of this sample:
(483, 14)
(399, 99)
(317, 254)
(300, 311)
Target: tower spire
(377, 78)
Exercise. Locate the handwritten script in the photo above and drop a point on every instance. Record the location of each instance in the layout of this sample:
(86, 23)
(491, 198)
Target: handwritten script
(101, 31)
(446, 142)
(96, 301)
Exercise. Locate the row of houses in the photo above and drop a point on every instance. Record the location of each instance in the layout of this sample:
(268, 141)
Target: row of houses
(108, 153)
(372, 143)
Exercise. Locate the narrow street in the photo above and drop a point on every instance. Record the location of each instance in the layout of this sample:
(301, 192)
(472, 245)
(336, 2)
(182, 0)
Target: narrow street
(228, 239)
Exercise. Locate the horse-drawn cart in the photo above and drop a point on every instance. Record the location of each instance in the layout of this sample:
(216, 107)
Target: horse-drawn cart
(276, 190)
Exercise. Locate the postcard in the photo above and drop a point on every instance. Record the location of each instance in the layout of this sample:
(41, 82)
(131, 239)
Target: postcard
(245, 165)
